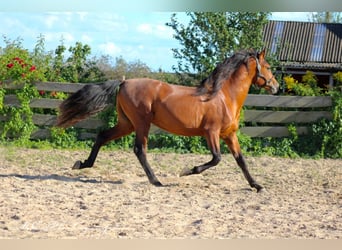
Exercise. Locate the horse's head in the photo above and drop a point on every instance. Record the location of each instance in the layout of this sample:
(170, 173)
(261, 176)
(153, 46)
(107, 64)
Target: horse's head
(265, 78)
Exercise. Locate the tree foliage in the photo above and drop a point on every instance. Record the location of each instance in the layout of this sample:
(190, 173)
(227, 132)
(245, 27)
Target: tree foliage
(77, 67)
(210, 37)
(121, 68)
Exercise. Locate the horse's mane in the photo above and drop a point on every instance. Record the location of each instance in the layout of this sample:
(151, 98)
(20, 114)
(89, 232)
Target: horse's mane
(213, 83)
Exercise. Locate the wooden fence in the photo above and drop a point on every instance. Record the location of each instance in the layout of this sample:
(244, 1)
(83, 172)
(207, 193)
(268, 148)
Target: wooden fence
(265, 115)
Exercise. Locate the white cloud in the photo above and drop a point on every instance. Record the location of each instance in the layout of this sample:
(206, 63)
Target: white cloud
(105, 22)
(145, 28)
(110, 48)
(53, 20)
(163, 31)
(13, 28)
(158, 30)
(14, 25)
(82, 15)
(86, 39)
(59, 36)
(50, 21)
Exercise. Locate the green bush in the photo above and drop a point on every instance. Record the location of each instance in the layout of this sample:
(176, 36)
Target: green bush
(308, 86)
(338, 78)
(329, 133)
(17, 67)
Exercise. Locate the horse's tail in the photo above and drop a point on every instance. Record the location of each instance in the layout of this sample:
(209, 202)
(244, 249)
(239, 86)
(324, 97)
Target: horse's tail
(89, 100)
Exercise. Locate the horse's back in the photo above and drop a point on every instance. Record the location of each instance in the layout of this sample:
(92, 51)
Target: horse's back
(153, 90)
(142, 95)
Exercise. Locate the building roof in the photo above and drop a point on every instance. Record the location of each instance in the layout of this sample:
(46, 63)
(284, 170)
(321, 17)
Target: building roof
(305, 44)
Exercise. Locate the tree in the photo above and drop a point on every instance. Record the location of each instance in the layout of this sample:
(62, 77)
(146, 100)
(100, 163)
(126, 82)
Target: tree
(122, 69)
(77, 67)
(326, 17)
(210, 37)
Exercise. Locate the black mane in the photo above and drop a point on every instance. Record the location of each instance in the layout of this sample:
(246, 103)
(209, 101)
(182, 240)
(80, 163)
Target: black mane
(213, 83)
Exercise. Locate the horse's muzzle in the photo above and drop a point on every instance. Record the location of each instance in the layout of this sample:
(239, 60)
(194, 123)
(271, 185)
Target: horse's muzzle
(274, 89)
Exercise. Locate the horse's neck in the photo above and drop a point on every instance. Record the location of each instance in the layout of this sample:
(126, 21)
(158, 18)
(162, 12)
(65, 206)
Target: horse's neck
(236, 91)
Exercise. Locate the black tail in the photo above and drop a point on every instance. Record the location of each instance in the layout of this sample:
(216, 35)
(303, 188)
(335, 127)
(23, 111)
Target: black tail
(87, 101)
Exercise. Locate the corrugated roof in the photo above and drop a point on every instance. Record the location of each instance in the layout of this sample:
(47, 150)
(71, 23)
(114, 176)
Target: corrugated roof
(301, 44)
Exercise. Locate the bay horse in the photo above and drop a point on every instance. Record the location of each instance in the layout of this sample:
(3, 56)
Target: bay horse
(211, 110)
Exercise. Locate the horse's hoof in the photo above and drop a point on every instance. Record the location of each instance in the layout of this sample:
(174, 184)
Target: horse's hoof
(185, 172)
(77, 165)
(260, 189)
(157, 184)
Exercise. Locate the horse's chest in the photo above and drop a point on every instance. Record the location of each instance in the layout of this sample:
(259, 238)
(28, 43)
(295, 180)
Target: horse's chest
(230, 123)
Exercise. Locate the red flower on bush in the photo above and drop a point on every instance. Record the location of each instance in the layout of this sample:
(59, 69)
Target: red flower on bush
(20, 61)
(16, 72)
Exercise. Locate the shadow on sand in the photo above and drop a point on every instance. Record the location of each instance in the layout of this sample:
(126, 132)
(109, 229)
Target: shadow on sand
(59, 178)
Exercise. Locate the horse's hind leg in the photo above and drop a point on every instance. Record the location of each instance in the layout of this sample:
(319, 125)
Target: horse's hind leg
(234, 148)
(120, 130)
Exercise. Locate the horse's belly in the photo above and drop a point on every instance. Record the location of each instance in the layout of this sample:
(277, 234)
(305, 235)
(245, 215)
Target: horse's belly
(178, 129)
(181, 130)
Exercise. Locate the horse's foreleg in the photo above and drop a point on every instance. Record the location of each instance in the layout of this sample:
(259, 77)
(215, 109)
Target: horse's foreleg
(214, 145)
(103, 137)
(140, 148)
(234, 148)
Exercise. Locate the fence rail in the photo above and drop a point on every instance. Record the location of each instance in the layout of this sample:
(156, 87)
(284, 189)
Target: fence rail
(265, 115)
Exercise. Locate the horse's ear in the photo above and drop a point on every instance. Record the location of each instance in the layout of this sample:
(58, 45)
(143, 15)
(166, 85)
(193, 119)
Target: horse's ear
(262, 53)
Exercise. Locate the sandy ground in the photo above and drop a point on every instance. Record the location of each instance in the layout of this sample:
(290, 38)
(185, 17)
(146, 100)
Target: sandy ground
(41, 197)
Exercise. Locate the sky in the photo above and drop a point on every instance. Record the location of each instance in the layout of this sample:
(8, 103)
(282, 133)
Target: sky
(131, 35)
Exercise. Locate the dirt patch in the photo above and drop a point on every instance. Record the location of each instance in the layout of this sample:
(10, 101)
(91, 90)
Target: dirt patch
(41, 197)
